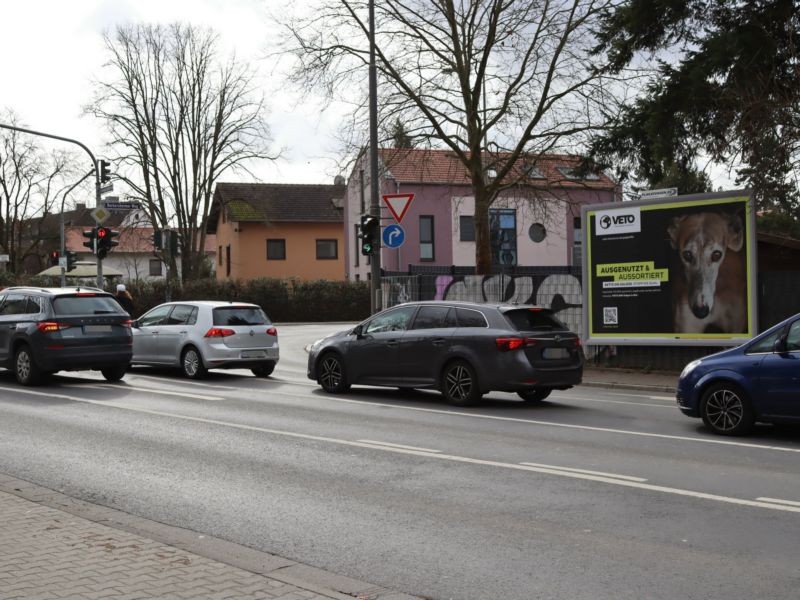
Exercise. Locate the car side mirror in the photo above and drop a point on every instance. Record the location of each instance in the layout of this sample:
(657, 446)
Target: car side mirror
(357, 331)
(780, 345)
(135, 324)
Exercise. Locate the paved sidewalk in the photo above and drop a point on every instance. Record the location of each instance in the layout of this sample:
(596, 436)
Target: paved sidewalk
(56, 547)
(631, 379)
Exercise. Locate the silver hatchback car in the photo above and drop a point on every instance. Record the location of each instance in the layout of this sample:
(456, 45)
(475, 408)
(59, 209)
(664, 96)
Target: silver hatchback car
(201, 335)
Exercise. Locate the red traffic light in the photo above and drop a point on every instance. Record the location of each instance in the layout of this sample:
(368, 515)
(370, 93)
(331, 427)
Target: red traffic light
(102, 232)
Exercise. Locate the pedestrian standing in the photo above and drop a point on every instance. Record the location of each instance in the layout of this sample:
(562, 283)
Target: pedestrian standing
(124, 298)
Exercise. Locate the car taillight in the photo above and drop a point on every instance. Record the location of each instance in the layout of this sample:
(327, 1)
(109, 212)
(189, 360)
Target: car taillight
(577, 342)
(506, 344)
(126, 323)
(272, 331)
(219, 332)
(51, 326)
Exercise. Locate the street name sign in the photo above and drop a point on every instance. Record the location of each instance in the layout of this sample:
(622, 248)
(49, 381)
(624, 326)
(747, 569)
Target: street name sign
(398, 204)
(121, 206)
(662, 193)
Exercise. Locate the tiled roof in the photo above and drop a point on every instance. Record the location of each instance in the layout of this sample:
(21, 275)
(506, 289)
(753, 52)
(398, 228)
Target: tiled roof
(412, 165)
(270, 202)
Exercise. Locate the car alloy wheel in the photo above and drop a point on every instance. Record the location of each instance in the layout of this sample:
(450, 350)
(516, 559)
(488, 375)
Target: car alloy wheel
(192, 363)
(726, 410)
(25, 369)
(534, 394)
(332, 377)
(460, 385)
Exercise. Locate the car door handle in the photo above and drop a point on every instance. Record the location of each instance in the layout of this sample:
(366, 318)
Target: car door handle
(438, 342)
(184, 332)
(392, 343)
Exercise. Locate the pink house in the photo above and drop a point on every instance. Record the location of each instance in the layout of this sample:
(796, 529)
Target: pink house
(534, 223)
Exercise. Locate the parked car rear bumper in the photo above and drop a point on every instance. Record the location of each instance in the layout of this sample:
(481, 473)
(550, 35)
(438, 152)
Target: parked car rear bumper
(90, 357)
(221, 357)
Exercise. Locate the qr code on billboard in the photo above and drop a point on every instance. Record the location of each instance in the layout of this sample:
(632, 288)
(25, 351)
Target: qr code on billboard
(610, 315)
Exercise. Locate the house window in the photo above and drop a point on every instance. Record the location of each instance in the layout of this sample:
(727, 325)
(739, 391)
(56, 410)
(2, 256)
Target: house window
(219, 255)
(357, 251)
(503, 236)
(533, 172)
(276, 249)
(327, 250)
(426, 252)
(466, 228)
(155, 267)
(228, 260)
(537, 232)
(571, 173)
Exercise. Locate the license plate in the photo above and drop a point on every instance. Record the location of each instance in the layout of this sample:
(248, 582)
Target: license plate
(253, 354)
(97, 328)
(555, 353)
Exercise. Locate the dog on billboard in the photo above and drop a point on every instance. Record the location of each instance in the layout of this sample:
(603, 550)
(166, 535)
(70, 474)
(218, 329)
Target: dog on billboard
(709, 287)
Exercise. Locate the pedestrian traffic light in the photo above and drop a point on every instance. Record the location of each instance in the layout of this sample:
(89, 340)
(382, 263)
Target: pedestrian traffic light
(72, 258)
(104, 176)
(369, 231)
(105, 241)
(54, 255)
(91, 240)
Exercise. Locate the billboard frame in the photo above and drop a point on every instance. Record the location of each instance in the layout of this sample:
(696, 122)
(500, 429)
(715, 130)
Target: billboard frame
(593, 338)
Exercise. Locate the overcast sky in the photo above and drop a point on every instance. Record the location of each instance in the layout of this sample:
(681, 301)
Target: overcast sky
(51, 50)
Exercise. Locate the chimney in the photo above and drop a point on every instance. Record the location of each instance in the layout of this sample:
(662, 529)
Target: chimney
(80, 206)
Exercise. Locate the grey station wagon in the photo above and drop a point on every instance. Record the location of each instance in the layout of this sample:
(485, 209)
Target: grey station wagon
(464, 349)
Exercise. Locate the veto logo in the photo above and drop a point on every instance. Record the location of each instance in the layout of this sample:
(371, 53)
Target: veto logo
(606, 221)
(618, 221)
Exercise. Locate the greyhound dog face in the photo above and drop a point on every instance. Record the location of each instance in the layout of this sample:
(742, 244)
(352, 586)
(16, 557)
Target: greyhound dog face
(701, 241)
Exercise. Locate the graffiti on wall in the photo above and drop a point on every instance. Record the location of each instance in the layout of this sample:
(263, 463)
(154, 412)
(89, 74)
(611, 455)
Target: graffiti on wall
(561, 292)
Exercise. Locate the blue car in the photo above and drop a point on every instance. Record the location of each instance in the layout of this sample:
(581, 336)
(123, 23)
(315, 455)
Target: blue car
(757, 381)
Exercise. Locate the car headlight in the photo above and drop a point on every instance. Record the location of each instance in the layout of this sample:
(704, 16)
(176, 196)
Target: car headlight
(689, 368)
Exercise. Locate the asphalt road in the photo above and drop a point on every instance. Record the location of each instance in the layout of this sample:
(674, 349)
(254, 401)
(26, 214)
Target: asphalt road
(593, 494)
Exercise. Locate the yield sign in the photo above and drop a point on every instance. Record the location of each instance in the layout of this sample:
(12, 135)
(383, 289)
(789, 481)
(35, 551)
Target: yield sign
(398, 204)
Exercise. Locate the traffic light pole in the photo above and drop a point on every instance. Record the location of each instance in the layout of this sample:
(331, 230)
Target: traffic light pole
(63, 241)
(374, 207)
(95, 164)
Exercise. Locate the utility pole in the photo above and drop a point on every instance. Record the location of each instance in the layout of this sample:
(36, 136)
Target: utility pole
(95, 164)
(375, 300)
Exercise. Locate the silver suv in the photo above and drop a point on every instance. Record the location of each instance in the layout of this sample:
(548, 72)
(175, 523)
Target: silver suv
(201, 335)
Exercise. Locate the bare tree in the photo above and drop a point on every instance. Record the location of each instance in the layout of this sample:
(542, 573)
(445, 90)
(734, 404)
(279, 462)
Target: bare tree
(498, 82)
(179, 118)
(30, 181)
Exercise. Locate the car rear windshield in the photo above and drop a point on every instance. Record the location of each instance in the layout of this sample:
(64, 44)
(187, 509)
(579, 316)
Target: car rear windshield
(533, 319)
(240, 315)
(86, 305)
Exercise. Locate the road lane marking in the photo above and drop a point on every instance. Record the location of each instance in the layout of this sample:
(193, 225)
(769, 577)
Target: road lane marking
(180, 383)
(586, 471)
(664, 398)
(628, 402)
(376, 443)
(127, 387)
(779, 501)
(448, 457)
(665, 436)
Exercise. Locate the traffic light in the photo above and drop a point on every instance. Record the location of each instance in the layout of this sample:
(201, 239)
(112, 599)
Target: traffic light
(54, 258)
(105, 241)
(72, 258)
(91, 240)
(104, 176)
(158, 239)
(369, 231)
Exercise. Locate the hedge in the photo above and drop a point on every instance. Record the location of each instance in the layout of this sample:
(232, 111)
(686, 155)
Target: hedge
(284, 300)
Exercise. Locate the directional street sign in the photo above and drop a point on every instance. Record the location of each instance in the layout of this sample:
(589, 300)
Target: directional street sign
(120, 206)
(100, 214)
(662, 193)
(107, 188)
(398, 204)
(393, 236)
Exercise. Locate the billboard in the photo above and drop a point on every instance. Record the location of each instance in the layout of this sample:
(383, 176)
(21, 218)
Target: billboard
(677, 271)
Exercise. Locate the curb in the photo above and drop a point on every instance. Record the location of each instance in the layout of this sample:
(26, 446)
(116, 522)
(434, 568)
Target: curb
(305, 577)
(630, 386)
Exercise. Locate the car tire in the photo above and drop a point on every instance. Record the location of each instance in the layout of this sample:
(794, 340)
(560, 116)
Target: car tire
(192, 363)
(264, 370)
(460, 384)
(114, 373)
(726, 409)
(331, 373)
(26, 370)
(534, 395)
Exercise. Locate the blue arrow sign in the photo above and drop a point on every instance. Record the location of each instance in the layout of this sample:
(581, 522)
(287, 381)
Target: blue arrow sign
(393, 236)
